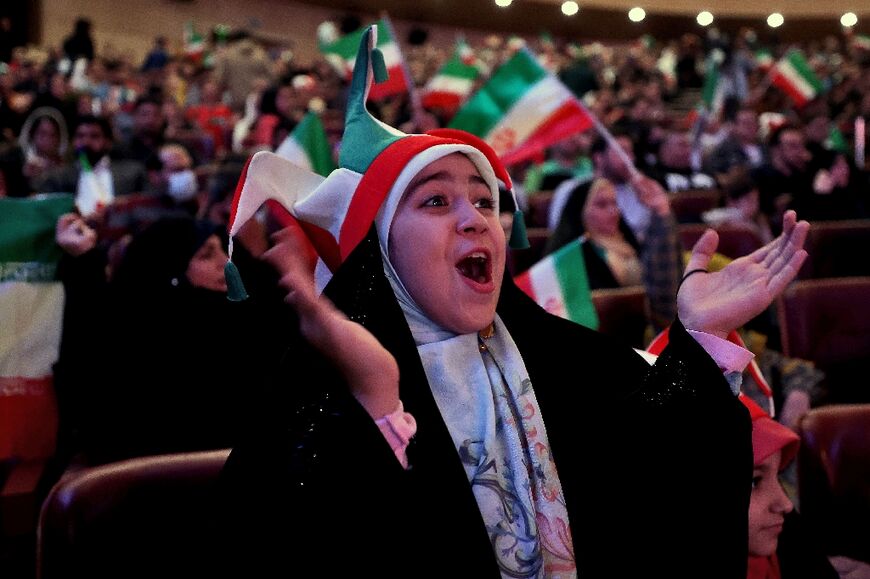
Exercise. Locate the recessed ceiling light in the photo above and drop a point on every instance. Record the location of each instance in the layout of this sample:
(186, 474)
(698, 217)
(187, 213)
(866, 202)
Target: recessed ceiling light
(705, 18)
(636, 14)
(775, 20)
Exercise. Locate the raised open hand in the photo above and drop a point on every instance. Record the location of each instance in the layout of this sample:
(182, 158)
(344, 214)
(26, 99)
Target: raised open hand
(370, 370)
(718, 302)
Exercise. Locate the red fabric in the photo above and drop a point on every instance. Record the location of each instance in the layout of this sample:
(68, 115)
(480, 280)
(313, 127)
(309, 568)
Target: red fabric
(394, 85)
(376, 183)
(264, 128)
(567, 120)
(28, 418)
(237, 195)
(497, 166)
(763, 568)
(216, 120)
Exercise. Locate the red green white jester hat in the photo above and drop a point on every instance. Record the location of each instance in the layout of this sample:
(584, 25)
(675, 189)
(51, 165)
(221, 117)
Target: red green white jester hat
(376, 163)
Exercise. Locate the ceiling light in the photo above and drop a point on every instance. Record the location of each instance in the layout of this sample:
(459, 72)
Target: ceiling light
(570, 8)
(849, 19)
(775, 20)
(705, 18)
(636, 14)
(503, 3)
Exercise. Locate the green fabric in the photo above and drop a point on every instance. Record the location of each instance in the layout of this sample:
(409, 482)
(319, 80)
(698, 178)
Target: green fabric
(364, 138)
(571, 270)
(510, 82)
(536, 174)
(800, 64)
(27, 228)
(311, 136)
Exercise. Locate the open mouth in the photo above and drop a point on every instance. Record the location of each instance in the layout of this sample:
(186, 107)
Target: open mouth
(476, 266)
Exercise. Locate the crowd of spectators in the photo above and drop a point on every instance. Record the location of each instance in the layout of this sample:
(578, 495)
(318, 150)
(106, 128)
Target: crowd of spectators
(169, 135)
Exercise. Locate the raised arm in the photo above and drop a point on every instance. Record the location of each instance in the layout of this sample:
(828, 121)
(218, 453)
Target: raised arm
(718, 302)
(370, 370)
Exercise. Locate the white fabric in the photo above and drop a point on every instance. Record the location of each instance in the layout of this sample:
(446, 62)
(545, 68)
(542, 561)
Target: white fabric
(418, 163)
(636, 214)
(490, 410)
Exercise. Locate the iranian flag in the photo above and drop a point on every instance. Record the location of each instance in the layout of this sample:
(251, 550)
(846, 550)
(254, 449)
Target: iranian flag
(194, 43)
(31, 310)
(712, 93)
(522, 110)
(308, 147)
(93, 194)
(559, 284)
(763, 59)
(451, 85)
(341, 54)
(794, 76)
(861, 41)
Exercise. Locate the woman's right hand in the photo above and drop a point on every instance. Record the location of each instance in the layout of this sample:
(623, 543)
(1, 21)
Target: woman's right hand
(370, 370)
(74, 235)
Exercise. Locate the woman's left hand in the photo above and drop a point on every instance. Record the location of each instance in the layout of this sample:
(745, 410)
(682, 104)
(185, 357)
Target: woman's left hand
(718, 302)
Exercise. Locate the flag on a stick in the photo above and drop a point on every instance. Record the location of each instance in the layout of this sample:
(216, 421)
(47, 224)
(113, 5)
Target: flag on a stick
(712, 92)
(194, 43)
(451, 85)
(341, 54)
(560, 285)
(794, 76)
(522, 110)
(92, 195)
(308, 146)
(763, 59)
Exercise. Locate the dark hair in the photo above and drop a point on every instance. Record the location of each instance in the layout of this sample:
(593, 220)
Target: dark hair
(599, 145)
(505, 201)
(149, 98)
(737, 183)
(101, 122)
(82, 26)
(776, 134)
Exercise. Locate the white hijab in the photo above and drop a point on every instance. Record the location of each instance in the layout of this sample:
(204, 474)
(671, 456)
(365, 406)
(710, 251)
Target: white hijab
(488, 404)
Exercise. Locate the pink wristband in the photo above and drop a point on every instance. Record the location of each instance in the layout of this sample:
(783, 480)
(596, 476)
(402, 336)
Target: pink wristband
(398, 428)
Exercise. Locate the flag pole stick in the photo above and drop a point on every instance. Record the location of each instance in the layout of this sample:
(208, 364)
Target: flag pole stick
(601, 129)
(610, 140)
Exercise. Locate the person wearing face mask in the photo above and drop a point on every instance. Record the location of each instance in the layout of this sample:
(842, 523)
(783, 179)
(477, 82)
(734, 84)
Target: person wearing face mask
(177, 176)
(431, 420)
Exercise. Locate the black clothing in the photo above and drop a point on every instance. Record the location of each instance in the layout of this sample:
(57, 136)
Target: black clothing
(655, 464)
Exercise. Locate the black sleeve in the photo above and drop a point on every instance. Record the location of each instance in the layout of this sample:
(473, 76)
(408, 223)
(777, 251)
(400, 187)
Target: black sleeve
(686, 470)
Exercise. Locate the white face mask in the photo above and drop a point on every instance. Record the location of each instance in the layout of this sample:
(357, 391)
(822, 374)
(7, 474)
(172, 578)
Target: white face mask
(183, 185)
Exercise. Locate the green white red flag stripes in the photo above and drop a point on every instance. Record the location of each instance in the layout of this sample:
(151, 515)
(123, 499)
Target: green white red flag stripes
(522, 110)
(451, 85)
(559, 284)
(31, 314)
(712, 93)
(861, 41)
(341, 54)
(308, 146)
(794, 76)
(194, 43)
(92, 195)
(763, 58)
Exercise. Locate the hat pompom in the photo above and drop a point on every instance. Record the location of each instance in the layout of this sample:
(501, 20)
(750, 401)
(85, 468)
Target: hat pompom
(236, 291)
(379, 66)
(519, 238)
